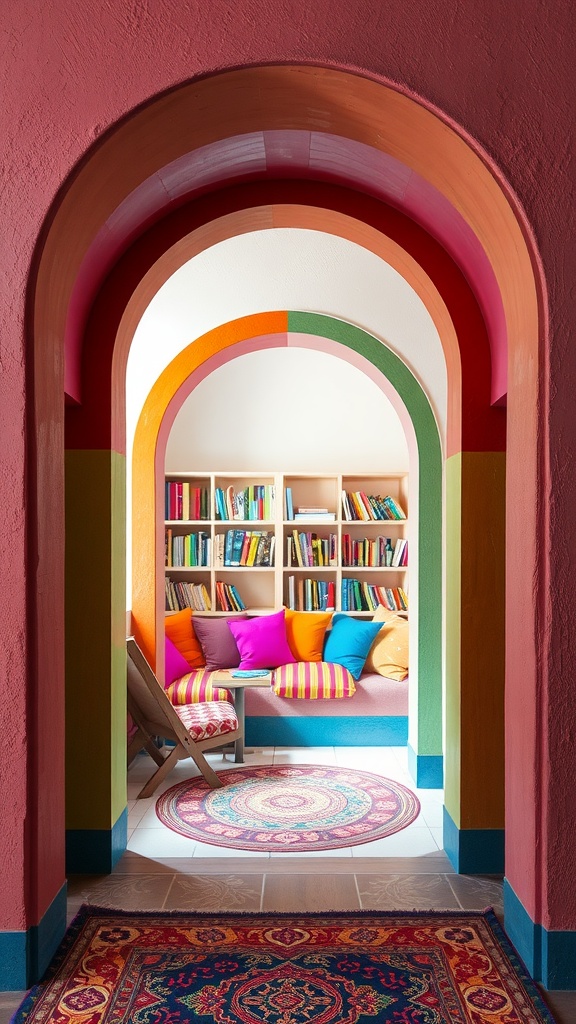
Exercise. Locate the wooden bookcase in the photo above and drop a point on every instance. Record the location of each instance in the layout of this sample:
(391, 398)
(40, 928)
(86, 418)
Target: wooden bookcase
(265, 588)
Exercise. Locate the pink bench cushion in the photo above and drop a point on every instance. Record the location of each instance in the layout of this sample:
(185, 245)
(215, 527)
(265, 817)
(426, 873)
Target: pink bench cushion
(196, 686)
(208, 719)
(313, 680)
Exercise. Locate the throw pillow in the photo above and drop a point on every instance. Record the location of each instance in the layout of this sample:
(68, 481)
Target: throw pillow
(262, 641)
(388, 655)
(305, 632)
(181, 632)
(313, 680)
(349, 641)
(175, 664)
(218, 644)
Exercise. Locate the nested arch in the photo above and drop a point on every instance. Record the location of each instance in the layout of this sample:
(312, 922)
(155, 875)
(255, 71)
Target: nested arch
(348, 342)
(87, 227)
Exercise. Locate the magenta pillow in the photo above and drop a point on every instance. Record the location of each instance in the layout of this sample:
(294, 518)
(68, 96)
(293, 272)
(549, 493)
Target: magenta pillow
(262, 641)
(217, 642)
(175, 664)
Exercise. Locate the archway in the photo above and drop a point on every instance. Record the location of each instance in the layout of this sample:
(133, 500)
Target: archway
(437, 153)
(391, 374)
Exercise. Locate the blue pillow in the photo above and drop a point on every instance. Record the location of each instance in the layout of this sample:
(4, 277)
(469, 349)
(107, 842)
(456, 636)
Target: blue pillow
(349, 641)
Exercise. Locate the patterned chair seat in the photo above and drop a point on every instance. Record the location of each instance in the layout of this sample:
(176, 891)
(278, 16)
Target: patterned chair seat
(208, 719)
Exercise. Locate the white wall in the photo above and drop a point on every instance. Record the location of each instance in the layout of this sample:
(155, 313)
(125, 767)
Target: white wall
(284, 268)
(287, 409)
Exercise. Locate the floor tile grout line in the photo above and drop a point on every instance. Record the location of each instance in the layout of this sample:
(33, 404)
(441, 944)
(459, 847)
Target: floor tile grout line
(168, 891)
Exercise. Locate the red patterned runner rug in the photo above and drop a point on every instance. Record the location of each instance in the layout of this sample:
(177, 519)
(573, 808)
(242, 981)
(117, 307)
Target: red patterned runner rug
(435, 967)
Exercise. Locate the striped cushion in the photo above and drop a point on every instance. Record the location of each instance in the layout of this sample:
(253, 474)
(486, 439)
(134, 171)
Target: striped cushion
(313, 680)
(208, 719)
(195, 687)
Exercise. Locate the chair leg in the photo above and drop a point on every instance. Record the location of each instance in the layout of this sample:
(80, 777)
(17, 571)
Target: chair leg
(205, 769)
(159, 775)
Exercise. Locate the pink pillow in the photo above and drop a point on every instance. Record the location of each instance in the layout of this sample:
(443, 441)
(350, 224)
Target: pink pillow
(262, 641)
(175, 664)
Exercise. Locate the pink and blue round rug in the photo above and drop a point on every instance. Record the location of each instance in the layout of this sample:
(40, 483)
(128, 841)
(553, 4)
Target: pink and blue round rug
(289, 808)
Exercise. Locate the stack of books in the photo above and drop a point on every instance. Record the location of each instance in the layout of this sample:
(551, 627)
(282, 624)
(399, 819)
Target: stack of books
(356, 505)
(183, 502)
(180, 595)
(245, 548)
(227, 598)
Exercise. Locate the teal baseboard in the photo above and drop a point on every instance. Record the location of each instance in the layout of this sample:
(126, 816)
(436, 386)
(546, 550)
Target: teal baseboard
(549, 956)
(96, 851)
(329, 731)
(427, 770)
(474, 851)
(24, 956)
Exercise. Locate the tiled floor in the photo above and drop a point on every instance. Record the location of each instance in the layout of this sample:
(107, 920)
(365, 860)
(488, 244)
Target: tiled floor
(408, 870)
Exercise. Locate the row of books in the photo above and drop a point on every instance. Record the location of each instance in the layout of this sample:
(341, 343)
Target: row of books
(307, 549)
(357, 596)
(184, 502)
(227, 598)
(310, 595)
(180, 595)
(189, 549)
(244, 547)
(374, 551)
(249, 503)
(356, 505)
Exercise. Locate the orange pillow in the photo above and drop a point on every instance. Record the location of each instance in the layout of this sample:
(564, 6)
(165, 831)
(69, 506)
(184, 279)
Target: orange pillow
(178, 627)
(305, 632)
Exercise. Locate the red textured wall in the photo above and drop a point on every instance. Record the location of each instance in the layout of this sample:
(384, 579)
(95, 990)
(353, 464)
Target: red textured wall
(504, 74)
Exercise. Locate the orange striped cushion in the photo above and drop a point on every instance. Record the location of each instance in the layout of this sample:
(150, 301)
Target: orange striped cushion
(194, 687)
(314, 680)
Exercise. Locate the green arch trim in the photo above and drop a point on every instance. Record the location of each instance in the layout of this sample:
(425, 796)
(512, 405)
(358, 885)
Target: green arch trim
(426, 719)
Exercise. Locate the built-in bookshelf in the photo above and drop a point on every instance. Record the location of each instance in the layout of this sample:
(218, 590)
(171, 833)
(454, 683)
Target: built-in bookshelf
(309, 541)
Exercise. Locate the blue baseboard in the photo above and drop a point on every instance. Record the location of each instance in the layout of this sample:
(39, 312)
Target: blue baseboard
(550, 956)
(474, 851)
(96, 851)
(296, 731)
(427, 770)
(24, 956)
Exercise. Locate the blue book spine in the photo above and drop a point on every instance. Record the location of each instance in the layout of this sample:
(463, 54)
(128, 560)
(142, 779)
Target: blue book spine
(228, 545)
(289, 505)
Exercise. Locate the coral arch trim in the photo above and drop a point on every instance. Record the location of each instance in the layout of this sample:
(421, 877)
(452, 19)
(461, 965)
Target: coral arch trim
(339, 224)
(270, 98)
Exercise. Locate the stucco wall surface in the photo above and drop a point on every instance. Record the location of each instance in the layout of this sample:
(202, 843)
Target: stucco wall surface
(502, 72)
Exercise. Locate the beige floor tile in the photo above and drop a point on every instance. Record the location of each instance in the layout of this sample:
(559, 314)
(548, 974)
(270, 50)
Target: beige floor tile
(406, 892)
(9, 1003)
(301, 893)
(215, 892)
(125, 892)
(476, 892)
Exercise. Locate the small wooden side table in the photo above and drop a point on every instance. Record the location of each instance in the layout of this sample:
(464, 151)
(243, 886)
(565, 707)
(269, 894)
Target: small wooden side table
(225, 679)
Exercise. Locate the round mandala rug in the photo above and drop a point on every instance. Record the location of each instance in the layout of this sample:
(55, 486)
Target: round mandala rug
(285, 808)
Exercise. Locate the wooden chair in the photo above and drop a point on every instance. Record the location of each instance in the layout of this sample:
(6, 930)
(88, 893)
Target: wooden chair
(193, 727)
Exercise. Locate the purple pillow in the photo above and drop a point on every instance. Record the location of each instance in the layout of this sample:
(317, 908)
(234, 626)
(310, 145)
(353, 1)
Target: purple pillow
(262, 641)
(175, 664)
(217, 642)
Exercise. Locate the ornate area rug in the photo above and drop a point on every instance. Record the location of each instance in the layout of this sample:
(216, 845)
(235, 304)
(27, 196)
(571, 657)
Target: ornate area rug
(296, 807)
(117, 967)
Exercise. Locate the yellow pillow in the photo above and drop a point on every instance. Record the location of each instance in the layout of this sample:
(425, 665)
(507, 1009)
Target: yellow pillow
(305, 632)
(179, 629)
(388, 655)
